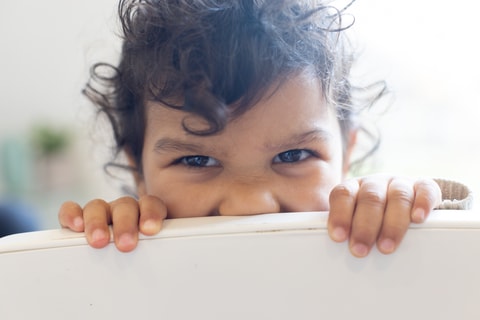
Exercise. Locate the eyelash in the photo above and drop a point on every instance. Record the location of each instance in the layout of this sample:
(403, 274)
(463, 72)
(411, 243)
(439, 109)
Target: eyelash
(294, 155)
(197, 161)
(289, 157)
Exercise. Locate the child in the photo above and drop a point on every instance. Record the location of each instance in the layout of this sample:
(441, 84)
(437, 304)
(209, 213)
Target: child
(240, 108)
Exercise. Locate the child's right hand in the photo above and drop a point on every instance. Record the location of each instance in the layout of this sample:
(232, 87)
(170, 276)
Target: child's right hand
(127, 216)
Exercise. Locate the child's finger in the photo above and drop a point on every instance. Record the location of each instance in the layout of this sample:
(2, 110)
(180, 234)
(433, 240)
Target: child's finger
(427, 196)
(400, 197)
(342, 206)
(152, 213)
(368, 215)
(97, 217)
(125, 212)
(70, 216)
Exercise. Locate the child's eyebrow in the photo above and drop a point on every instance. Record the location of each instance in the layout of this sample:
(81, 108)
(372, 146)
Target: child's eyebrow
(296, 140)
(293, 142)
(169, 144)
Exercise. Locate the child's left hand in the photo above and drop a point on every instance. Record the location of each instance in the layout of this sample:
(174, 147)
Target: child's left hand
(378, 209)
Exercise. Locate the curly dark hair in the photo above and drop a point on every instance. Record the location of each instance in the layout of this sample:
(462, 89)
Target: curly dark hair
(216, 58)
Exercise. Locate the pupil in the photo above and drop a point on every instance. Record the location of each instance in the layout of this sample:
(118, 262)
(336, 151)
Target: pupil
(197, 161)
(290, 156)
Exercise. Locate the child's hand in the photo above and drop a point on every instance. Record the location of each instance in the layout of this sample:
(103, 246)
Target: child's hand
(126, 215)
(378, 209)
(375, 209)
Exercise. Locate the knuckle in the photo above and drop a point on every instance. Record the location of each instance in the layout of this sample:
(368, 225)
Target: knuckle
(95, 203)
(67, 208)
(342, 191)
(123, 201)
(432, 188)
(151, 205)
(401, 196)
(147, 199)
(69, 205)
(95, 213)
(372, 197)
(428, 190)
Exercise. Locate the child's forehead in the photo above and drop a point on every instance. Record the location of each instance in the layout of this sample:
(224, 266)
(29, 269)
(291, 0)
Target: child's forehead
(296, 89)
(293, 107)
(283, 85)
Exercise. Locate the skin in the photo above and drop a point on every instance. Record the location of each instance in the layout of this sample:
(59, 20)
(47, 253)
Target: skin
(283, 155)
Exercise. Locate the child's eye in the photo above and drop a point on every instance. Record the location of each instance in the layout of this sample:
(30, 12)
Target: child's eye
(198, 161)
(291, 156)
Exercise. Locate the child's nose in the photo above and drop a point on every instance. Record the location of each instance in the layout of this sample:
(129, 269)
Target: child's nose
(241, 199)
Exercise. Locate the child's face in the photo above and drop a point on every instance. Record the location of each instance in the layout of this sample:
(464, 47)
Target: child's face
(282, 155)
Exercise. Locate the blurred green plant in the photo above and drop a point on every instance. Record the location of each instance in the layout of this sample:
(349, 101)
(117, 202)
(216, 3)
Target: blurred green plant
(49, 141)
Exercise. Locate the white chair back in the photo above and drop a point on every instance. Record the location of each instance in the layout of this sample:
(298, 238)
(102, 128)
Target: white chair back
(275, 266)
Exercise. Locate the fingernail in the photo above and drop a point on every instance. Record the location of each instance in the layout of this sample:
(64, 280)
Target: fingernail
(98, 235)
(78, 223)
(126, 241)
(150, 226)
(339, 234)
(387, 246)
(360, 250)
(418, 215)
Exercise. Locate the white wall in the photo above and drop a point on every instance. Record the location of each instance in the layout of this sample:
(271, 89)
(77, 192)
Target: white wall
(46, 50)
(429, 53)
(46, 46)
(425, 49)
